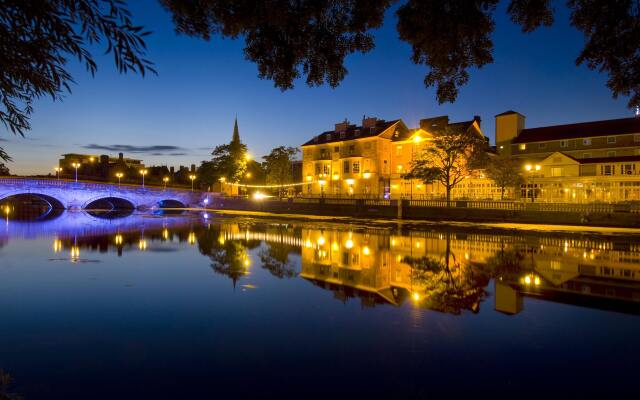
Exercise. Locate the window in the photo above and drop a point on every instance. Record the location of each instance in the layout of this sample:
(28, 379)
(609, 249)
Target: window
(544, 145)
(522, 146)
(607, 169)
(627, 169)
(336, 149)
(586, 155)
(323, 153)
(586, 142)
(611, 139)
(564, 143)
(318, 169)
(352, 148)
(326, 169)
(357, 132)
(611, 153)
(385, 167)
(342, 135)
(345, 167)
(328, 136)
(398, 150)
(356, 167)
(556, 171)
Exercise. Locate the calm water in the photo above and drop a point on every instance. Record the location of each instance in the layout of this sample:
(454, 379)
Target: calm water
(195, 307)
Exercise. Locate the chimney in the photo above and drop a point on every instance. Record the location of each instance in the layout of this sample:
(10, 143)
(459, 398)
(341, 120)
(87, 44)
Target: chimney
(172, 170)
(120, 157)
(342, 126)
(477, 119)
(369, 122)
(193, 168)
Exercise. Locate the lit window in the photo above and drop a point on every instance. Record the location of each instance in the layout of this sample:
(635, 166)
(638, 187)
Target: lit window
(356, 167)
(607, 169)
(586, 142)
(611, 139)
(522, 146)
(345, 167)
(564, 143)
(326, 169)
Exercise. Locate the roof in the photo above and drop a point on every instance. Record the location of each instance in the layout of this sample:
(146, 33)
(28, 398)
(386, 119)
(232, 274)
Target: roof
(510, 112)
(456, 126)
(580, 130)
(352, 132)
(598, 160)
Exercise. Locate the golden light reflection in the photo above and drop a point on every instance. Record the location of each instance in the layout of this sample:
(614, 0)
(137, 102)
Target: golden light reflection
(192, 238)
(165, 234)
(118, 240)
(348, 244)
(321, 241)
(142, 244)
(75, 253)
(366, 251)
(57, 246)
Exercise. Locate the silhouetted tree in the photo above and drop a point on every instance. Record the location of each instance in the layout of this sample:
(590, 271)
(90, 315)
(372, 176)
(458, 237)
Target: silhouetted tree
(312, 37)
(505, 172)
(4, 156)
(275, 259)
(37, 39)
(450, 158)
(278, 166)
(4, 170)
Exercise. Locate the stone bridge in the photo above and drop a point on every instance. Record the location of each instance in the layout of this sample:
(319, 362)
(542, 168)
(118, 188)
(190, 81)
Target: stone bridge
(64, 194)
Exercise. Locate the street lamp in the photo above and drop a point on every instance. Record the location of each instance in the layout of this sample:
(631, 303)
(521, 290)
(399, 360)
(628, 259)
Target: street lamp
(530, 169)
(143, 172)
(76, 166)
(119, 175)
(58, 170)
(165, 180)
(193, 178)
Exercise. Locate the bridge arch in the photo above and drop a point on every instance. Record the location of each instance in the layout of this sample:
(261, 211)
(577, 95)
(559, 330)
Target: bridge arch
(109, 203)
(171, 203)
(32, 206)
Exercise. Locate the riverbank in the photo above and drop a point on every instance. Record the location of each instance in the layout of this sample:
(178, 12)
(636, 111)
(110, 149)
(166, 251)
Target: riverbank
(405, 211)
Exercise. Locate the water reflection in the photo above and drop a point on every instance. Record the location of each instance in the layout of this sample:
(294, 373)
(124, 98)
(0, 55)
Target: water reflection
(442, 269)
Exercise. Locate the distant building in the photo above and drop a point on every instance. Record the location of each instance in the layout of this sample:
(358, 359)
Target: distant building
(370, 160)
(101, 167)
(581, 162)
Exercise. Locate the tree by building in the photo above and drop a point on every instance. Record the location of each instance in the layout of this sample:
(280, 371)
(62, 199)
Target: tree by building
(505, 172)
(229, 161)
(278, 166)
(449, 159)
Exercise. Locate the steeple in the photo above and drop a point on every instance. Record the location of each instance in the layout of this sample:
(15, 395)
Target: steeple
(236, 133)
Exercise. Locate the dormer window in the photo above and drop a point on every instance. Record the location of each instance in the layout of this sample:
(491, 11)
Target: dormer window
(328, 136)
(342, 135)
(611, 140)
(522, 147)
(564, 144)
(357, 132)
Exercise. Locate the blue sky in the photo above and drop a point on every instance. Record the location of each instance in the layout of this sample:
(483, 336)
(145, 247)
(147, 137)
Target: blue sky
(189, 107)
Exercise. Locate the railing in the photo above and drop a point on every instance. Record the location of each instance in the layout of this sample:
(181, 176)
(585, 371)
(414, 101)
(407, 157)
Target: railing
(64, 182)
(430, 203)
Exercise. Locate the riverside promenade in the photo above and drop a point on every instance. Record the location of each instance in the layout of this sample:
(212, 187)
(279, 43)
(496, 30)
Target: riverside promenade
(587, 214)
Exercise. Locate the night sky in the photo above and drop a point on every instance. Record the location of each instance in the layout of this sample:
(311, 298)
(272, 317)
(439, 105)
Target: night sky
(189, 107)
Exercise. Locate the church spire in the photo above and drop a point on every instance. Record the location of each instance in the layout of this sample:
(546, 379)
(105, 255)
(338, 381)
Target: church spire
(236, 133)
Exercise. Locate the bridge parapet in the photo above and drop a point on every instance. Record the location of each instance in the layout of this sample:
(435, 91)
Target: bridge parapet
(77, 195)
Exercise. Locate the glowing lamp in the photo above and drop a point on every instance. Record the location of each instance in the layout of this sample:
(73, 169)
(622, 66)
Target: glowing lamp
(366, 175)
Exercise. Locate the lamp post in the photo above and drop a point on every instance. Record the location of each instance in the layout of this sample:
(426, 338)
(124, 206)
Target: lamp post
(143, 172)
(193, 178)
(119, 175)
(165, 180)
(76, 166)
(58, 170)
(531, 169)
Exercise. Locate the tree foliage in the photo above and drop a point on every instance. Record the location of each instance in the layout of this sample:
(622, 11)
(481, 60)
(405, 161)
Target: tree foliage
(505, 172)
(4, 170)
(278, 165)
(38, 38)
(449, 158)
(450, 37)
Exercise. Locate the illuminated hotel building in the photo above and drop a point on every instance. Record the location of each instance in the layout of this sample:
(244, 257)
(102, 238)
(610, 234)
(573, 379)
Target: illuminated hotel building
(370, 161)
(581, 162)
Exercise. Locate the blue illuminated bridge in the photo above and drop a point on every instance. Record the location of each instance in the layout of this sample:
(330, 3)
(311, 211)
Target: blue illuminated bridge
(69, 195)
